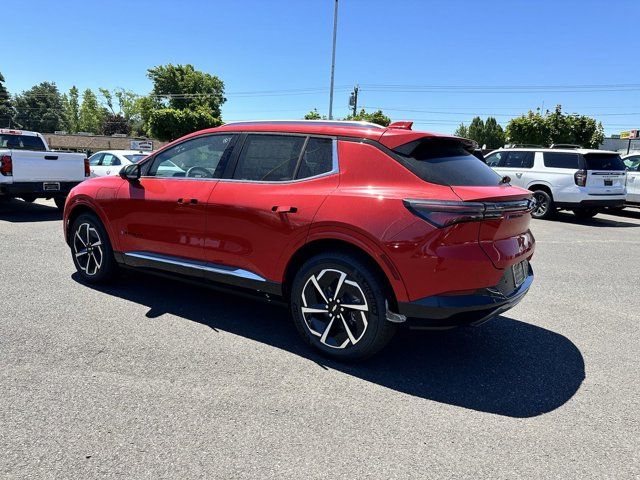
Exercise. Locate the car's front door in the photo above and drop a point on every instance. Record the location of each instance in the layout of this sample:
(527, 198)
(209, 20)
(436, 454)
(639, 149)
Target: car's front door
(276, 185)
(164, 212)
(94, 162)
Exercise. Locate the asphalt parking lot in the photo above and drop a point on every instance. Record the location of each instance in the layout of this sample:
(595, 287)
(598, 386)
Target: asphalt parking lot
(151, 378)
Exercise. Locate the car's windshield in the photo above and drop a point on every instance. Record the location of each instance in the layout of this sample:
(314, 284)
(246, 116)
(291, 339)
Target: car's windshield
(604, 161)
(136, 158)
(21, 142)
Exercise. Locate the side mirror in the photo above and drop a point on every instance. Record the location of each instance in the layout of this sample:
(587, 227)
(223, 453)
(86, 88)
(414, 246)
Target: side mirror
(130, 172)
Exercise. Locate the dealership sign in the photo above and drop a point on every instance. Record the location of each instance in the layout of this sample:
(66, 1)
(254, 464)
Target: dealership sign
(142, 145)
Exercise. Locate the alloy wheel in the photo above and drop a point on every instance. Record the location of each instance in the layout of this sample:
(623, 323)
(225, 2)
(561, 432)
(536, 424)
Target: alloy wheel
(87, 248)
(542, 205)
(335, 308)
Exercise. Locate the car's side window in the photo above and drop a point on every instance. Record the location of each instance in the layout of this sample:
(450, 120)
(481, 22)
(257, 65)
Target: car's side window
(269, 158)
(561, 160)
(317, 158)
(493, 160)
(518, 159)
(109, 160)
(94, 161)
(633, 163)
(200, 157)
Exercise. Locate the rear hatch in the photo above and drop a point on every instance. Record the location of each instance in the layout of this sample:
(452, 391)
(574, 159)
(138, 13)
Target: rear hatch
(606, 174)
(501, 211)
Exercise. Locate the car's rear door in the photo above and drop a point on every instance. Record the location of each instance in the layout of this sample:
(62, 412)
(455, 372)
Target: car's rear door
(163, 214)
(265, 206)
(606, 174)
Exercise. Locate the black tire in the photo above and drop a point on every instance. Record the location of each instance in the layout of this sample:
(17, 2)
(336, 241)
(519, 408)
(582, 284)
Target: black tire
(101, 266)
(60, 201)
(28, 198)
(545, 207)
(585, 213)
(366, 323)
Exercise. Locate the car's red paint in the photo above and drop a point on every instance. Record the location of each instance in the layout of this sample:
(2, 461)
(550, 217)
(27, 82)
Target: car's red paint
(233, 222)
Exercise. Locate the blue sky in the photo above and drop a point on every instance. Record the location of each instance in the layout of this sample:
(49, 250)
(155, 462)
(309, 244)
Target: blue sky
(285, 46)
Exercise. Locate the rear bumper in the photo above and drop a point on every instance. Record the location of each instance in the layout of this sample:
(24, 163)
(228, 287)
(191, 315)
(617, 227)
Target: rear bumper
(36, 189)
(600, 203)
(441, 311)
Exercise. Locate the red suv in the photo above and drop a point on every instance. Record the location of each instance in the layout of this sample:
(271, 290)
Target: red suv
(358, 227)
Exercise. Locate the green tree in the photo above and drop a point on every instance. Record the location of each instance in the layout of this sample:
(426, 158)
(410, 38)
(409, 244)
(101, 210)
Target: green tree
(91, 113)
(171, 123)
(375, 117)
(115, 124)
(462, 131)
(494, 136)
(476, 130)
(314, 115)
(6, 109)
(40, 108)
(71, 104)
(555, 127)
(183, 99)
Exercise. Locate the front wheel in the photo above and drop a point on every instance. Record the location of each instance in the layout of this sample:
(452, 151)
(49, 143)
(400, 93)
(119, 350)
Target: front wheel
(91, 250)
(339, 307)
(585, 213)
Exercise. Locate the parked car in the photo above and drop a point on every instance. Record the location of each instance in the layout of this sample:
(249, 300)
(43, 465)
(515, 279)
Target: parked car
(632, 162)
(29, 170)
(356, 226)
(585, 181)
(109, 162)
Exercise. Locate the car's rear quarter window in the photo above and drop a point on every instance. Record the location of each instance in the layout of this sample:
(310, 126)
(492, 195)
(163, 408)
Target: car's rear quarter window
(562, 160)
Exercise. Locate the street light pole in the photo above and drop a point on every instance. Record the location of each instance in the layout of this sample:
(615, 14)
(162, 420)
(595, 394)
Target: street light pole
(333, 58)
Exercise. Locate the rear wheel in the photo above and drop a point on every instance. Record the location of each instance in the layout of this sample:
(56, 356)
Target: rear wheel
(585, 212)
(339, 307)
(91, 250)
(545, 207)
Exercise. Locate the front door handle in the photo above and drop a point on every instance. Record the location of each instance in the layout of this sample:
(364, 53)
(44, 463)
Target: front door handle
(283, 209)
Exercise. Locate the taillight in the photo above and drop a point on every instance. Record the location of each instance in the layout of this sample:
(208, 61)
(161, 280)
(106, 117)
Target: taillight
(87, 169)
(442, 213)
(6, 166)
(580, 178)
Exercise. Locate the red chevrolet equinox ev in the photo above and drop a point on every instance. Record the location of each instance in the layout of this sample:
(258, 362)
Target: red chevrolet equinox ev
(357, 227)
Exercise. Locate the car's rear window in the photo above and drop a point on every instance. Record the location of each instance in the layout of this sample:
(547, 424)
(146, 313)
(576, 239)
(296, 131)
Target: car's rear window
(604, 161)
(445, 162)
(21, 142)
(135, 158)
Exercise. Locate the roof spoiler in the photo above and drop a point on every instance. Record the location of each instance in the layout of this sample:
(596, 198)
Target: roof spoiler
(402, 125)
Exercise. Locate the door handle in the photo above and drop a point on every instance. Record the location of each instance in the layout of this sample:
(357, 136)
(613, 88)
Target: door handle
(192, 201)
(180, 201)
(283, 209)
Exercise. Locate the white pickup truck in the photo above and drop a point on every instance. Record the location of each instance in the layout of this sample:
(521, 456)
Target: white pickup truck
(29, 170)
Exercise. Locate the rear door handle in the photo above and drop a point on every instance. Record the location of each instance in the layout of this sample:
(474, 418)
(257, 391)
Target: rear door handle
(192, 201)
(283, 209)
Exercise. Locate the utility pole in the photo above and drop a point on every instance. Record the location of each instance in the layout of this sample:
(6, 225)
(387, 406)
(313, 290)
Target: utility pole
(353, 100)
(333, 58)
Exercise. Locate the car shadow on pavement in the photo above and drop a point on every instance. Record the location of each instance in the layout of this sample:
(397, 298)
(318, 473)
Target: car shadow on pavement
(505, 366)
(597, 221)
(17, 211)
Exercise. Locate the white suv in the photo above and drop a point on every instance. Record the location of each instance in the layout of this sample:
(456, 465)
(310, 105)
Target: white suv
(585, 181)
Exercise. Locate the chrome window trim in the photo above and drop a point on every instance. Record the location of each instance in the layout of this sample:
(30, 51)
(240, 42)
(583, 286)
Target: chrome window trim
(335, 167)
(207, 267)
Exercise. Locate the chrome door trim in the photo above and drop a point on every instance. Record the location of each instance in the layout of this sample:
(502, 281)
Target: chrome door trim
(194, 264)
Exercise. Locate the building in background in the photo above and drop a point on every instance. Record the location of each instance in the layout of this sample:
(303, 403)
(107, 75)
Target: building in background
(90, 144)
